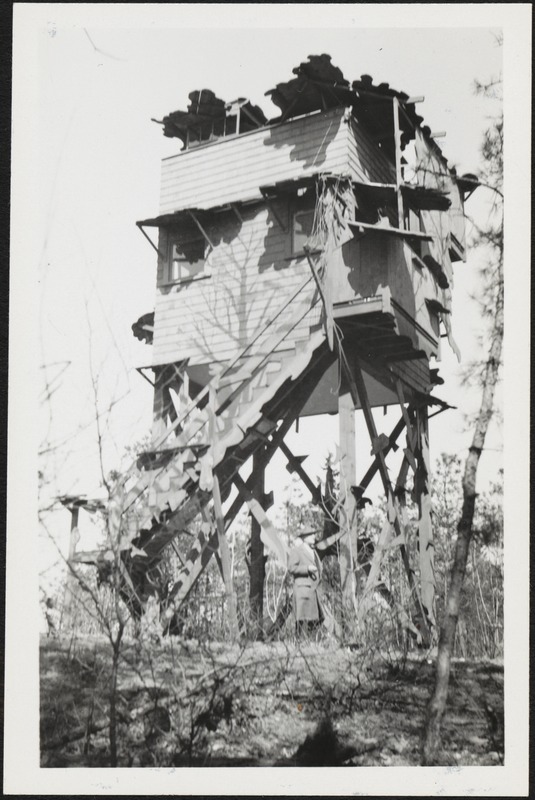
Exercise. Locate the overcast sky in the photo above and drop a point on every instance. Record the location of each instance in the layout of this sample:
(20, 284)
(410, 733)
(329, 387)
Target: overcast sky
(86, 166)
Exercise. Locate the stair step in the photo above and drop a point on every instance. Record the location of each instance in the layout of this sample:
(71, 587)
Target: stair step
(169, 483)
(237, 377)
(156, 459)
(300, 345)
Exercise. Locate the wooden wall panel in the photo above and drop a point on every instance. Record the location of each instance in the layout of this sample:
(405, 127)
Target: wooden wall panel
(375, 262)
(233, 169)
(367, 162)
(251, 278)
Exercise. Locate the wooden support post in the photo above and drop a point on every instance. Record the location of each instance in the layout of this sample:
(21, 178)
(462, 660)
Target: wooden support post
(384, 543)
(224, 551)
(325, 296)
(358, 384)
(399, 176)
(257, 570)
(201, 554)
(348, 543)
(294, 465)
(370, 474)
(71, 585)
(270, 536)
(425, 526)
(358, 391)
(158, 409)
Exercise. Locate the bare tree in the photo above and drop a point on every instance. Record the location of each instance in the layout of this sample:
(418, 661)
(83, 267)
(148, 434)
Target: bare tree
(490, 237)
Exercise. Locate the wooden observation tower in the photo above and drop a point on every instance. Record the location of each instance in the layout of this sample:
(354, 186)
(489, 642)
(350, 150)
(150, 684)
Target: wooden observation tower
(304, 266)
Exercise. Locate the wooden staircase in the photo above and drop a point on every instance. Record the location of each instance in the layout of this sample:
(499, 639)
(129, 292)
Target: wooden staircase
(216, 434)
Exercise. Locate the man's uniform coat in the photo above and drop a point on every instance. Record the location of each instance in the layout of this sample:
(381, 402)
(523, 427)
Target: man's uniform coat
(302, 565)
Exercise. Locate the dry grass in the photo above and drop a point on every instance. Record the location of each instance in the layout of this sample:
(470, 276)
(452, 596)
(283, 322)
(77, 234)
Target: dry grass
(184, 704)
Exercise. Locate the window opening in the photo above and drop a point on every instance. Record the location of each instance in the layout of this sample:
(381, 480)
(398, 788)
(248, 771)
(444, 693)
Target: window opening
(186, 258)
(302, 224)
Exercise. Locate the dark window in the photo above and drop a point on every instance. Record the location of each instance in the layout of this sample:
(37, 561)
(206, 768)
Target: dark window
(302, 224)
(186, 258)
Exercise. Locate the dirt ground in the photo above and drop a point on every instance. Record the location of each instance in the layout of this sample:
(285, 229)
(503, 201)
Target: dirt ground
(183, 704)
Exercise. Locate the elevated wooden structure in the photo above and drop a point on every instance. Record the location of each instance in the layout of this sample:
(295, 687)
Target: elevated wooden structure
(294, 256)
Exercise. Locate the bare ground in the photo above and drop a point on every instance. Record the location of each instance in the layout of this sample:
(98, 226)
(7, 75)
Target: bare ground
(182, 704)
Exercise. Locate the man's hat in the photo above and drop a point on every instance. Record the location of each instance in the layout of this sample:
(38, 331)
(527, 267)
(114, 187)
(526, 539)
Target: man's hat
(307, 531)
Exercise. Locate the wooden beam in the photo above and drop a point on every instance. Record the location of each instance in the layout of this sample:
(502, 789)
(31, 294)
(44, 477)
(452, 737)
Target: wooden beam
(205, 548)
(201, 553)
(159, 426)
(257, 569)
(347, 466)
(268, 200)
(224, 552)
(197, 560)
(372, 471)
(140, 370)
(294, 465)
(149, 240)
(236, 210)
(361, 392)
(384, 543)
(399, 172)
(72, 582)
(269, 535)
(328, 318)
(200, 227)
(427, 237)
(411, 433)
(425, 526)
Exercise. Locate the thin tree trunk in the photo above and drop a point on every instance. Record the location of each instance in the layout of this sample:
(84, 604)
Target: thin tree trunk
(437, 704)
(113, 698)
(257, 568)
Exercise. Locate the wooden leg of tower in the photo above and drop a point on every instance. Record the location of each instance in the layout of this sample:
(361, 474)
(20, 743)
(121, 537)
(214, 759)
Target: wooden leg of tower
(70, 589)
(257, 569)
(348, 542)
(386, 540)
(358, 389)
(224, 551)
(201, 553)
(159, 404)
(425, 525)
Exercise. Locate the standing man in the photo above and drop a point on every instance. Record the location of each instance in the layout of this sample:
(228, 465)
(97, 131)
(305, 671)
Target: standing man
(305, 567)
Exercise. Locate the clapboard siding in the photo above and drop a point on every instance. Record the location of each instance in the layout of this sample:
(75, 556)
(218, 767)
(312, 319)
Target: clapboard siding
(262, 161)
(250, 274)
(214, 319)
(233, 169)
(366, 161)
(375, 262)
(415, 373)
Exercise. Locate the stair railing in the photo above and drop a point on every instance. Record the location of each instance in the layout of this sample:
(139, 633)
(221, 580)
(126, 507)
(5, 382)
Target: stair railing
(205, 392)
(216, 379)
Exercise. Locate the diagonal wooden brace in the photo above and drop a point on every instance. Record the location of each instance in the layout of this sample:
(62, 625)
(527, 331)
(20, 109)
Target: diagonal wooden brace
(295, 465)
(358, 387)
(269, 535)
